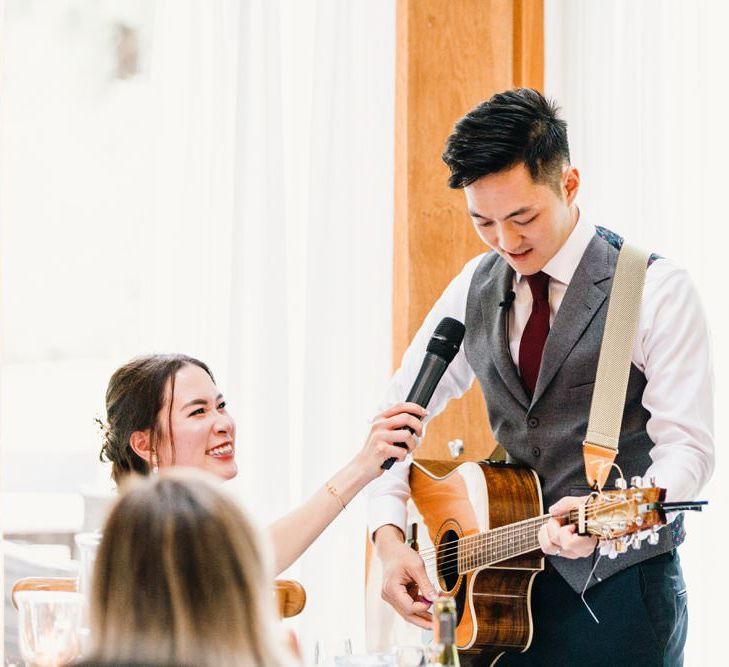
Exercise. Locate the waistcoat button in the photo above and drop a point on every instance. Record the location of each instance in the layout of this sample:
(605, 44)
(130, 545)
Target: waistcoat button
(533, 422)
(536, 451)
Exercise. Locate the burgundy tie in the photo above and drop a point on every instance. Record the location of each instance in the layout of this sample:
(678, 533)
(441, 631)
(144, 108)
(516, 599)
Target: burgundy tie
(535, 331)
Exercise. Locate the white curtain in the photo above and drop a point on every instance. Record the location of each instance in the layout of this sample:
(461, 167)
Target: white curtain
(233, 201)
(272, 248)
(642, 85)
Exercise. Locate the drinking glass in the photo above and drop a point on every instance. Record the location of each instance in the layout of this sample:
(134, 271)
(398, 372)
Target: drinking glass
(49, 624)
(87, 544)
(327, 650)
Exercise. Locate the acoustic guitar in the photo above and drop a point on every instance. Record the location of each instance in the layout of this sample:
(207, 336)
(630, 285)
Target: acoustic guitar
(480, 544)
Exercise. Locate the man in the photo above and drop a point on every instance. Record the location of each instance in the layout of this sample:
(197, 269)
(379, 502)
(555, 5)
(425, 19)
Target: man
(535, 354)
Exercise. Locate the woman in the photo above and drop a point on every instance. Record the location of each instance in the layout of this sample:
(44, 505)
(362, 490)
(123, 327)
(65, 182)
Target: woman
(165, 410)
(180, 579)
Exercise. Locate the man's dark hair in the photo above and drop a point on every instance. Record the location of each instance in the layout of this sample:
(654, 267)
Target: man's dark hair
(512, 127)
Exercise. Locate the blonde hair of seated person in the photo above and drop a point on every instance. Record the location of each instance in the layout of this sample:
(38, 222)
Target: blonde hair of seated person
(182, 577)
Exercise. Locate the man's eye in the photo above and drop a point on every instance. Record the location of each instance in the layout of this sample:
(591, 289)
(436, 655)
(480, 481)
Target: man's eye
(221, 405)
(483, 223)
(526, 222)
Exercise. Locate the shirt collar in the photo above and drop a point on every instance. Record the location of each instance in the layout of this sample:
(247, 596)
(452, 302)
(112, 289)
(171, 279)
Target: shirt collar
(564, 263)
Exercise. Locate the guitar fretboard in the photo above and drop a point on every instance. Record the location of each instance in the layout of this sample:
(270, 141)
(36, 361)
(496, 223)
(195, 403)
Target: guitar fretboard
(499, 544)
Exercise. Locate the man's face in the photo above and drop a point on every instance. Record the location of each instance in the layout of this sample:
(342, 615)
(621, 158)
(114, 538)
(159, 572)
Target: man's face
(525, 222)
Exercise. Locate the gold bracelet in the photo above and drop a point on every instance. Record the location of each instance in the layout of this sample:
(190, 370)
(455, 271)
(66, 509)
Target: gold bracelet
(333, 492)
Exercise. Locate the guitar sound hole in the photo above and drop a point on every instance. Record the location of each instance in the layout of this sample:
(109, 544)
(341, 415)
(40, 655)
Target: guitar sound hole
(448, 561)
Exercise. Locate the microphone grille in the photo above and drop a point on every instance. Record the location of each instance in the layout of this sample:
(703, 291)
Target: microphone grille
(447, 338)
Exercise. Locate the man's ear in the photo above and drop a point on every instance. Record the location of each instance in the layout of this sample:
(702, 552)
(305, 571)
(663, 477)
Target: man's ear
(140, 442)
(570, 183)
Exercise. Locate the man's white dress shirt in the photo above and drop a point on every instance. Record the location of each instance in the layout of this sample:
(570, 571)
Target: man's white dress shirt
(671, 348)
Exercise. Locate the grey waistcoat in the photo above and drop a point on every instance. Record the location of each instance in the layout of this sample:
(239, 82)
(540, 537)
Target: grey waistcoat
(547, 432)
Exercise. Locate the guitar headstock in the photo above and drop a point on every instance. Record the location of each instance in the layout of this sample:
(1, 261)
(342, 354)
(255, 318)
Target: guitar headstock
(620, 514)
(612, 514)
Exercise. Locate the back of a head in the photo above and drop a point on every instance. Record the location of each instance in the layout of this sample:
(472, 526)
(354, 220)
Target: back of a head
(180, 578)
(513, 127)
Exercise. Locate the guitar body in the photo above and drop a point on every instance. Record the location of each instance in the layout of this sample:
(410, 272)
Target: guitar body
(458, 500)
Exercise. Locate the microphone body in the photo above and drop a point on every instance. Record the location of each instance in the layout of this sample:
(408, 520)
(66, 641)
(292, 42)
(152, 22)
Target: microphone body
(428, 378)
(443, 346)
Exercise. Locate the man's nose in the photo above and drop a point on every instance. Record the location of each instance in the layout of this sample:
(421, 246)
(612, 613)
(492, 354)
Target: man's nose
(509, 238)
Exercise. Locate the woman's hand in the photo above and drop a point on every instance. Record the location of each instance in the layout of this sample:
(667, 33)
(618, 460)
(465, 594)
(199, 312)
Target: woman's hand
(389, 427)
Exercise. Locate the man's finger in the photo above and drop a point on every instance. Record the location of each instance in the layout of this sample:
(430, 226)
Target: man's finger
(564, 505)
(424, 620)
(405, 605)
(423, 583)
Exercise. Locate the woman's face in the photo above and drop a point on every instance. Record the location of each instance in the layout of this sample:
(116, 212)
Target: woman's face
(202, 429)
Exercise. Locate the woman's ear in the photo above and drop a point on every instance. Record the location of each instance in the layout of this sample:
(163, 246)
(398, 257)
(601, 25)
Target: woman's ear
(140, 442)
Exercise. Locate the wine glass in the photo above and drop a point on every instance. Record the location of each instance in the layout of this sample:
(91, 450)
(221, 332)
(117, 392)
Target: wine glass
(325, 651)
(49, 627)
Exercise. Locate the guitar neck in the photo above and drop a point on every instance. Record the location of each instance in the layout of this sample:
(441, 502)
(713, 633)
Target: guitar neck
(499, 544)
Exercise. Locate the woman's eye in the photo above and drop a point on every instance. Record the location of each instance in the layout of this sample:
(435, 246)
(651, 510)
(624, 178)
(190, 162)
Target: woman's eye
(221, 405)
(199, 411)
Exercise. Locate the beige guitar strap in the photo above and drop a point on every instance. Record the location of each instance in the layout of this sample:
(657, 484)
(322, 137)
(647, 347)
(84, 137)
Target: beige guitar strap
(613, 367)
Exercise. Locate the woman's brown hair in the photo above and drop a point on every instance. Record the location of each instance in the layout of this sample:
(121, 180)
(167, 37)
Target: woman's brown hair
(134, 400)
(181, 578)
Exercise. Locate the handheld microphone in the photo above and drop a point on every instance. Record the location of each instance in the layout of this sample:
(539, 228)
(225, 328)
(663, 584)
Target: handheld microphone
(442, 347)
(508, 299)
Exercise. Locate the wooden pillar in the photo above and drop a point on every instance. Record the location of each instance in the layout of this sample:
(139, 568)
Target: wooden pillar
(451, 55)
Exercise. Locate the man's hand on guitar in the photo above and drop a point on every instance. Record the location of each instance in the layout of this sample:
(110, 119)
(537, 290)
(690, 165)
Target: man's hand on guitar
(405, 585)
(557, 539)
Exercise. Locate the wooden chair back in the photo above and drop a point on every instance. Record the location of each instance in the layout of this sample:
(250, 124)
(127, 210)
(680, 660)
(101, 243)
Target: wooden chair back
(290, 594)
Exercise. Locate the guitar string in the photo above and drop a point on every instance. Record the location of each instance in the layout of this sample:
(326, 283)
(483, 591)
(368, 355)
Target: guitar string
(493, 553)
(491, 539)
(489, 558)
(456, 570)
(453, 564)
(488, 544)
(507, 532)
(573, 515)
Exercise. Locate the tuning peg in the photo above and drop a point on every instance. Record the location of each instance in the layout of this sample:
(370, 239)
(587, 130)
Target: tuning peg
(621, 526)
(621, 546)
(621, 484)
(636, 481)
(654, 537)
(639, 519)
(638, 496)
(636, 543)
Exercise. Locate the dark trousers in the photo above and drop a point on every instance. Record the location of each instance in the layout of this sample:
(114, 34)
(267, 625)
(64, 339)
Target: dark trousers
(642, 613)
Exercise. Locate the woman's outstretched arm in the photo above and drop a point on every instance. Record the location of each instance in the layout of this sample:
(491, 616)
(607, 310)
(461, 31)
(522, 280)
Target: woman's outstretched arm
(295, 532)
